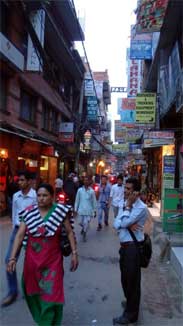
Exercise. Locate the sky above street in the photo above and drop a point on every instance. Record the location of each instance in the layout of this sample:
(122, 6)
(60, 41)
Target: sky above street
(107, 36)
(107, 31)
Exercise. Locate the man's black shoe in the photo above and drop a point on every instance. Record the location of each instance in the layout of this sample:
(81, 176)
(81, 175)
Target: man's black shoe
(8, 300)
(99, 227)
(121, 320)
(106, 223)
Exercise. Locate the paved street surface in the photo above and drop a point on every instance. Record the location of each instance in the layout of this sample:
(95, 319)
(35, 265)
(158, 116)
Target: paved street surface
(93, 293)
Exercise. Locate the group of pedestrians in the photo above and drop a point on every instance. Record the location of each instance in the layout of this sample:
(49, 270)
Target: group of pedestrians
(37, 223)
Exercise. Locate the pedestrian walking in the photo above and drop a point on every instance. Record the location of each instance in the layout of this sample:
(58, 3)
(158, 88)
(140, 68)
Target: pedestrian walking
(42, 277)
(103, 202)
(58, 184)
(70, 189)
(117, 195)
(25, 197)
(85, 205)
(133, 215)
(12, 188)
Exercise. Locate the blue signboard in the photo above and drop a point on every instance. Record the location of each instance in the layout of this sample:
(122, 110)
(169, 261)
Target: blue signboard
(141, 49)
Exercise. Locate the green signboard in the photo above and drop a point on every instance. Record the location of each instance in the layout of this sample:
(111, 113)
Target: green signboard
(173, 210)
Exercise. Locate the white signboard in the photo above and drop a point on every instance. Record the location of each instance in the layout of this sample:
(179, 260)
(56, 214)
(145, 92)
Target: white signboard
(66, 127)
(38, 22)
(11, 52)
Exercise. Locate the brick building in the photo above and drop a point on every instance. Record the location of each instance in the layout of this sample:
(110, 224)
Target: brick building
(41, 84)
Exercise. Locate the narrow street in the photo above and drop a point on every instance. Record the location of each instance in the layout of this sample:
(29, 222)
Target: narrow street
(93, 293)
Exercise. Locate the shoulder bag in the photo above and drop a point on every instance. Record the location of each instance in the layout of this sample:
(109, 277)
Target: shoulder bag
(145, 249)
(65, 244)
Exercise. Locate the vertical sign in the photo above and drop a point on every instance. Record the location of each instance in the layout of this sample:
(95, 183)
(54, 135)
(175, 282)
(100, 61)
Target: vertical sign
(38, 22)
(173, 210)
(168, 177)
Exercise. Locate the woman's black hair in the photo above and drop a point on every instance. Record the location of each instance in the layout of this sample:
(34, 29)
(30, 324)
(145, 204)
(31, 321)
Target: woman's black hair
(47, 186)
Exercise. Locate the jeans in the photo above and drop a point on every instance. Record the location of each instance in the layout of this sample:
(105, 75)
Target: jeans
(115, 210)
(12, 277)
(85, 221)
(102, 207)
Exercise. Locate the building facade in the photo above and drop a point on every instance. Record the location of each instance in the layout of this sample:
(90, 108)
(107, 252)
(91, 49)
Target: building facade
(41, 84)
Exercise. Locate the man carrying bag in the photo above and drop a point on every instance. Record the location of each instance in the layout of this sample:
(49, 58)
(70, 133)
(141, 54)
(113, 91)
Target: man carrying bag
(131, 217)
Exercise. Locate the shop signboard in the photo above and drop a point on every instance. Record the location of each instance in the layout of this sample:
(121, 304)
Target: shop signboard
(10, 52)
(120, 148)
(135, 148)
(179, 92)
(133, 134)
(174, 69)
(99, 88)
(145, 108)
(134, 76)
(150, 15)
(92, 108)
(158, 138)
(119, 132)
(66, 132)
(168, 171)
(89, 87)
(168, 176)
(127, 112)
(173, 211)
(34, 63)
(141, 47)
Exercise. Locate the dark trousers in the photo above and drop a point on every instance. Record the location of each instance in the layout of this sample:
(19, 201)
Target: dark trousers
(130, 280)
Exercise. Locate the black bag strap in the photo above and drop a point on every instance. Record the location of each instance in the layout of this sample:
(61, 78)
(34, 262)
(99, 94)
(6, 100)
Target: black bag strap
(133, 236)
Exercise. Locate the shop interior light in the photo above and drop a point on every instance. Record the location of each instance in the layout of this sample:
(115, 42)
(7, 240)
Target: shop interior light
(3, 153)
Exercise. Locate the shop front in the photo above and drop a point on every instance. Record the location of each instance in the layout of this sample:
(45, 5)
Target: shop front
(19, 153)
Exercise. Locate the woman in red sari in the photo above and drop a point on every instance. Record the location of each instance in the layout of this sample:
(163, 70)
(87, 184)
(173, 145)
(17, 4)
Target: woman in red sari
(43, 265)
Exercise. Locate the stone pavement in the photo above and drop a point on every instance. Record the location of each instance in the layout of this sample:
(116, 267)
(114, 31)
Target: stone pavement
(93, 292)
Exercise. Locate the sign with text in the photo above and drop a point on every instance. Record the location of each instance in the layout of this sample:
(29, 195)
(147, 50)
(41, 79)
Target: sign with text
(179, 91)
(119, 131)
(158, 138)
(120, 148)
(134, 76)
(141, 47)
(34, 63)
(66, 134)
(127, 112)
(92, 108)
(173, 210)
(145, 108)
(150, 15)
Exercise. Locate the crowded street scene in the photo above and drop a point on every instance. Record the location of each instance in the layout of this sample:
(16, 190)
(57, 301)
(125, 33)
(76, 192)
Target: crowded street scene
(91, 162)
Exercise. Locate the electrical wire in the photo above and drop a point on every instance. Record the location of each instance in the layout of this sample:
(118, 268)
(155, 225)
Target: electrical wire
(88, 64)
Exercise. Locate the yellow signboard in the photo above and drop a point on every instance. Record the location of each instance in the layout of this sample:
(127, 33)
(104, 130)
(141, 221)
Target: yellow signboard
(120, 148)
(145, 108)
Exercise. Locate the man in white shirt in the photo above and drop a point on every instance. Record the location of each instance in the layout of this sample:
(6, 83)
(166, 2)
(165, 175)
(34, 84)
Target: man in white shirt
(85, 205)
(21, 200)
(117, 195)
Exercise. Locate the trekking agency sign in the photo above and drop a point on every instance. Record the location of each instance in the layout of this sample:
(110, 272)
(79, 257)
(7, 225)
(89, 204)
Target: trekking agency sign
(145, 108)
(173, 211)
